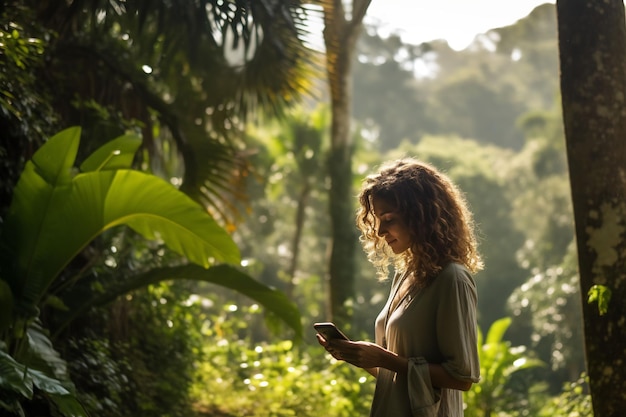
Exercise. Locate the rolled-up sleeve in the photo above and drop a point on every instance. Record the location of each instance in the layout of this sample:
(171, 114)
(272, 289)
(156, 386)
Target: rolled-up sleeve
(423, 396)
(456, 327)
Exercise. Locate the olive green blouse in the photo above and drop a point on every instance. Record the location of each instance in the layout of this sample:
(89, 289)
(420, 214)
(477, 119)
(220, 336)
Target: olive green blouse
(436, 324)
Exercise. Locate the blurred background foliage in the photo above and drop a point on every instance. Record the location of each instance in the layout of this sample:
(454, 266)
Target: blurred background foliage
(489, 115)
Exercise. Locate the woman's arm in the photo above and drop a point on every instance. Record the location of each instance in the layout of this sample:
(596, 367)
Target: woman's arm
(371, 356)
(373, 370)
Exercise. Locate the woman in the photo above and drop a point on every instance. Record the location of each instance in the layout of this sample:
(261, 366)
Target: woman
(413, 217)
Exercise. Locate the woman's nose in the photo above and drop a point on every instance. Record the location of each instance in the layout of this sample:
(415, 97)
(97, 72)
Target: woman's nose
(381, 231)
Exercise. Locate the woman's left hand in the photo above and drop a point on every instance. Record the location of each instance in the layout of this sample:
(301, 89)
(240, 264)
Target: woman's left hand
(358, 353)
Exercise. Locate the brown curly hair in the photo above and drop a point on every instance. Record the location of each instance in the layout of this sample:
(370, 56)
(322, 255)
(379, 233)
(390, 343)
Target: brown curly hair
(435, 212)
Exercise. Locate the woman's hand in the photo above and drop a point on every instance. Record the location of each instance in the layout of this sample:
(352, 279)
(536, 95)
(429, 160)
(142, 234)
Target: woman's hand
(326, 344)
(358, 353)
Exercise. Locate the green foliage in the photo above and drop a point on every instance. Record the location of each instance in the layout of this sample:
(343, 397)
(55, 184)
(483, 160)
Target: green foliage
(574, 401)
(26, 114)
(45, 373)
(56, 212)
(242, 378)
(142, 362)
(600, 294)
(135, 360)
(101, 376)
(498, 362)
(227, 276)
(388, 101)
(408, 92)
(184, 74)
(548, 305)
(285, 234)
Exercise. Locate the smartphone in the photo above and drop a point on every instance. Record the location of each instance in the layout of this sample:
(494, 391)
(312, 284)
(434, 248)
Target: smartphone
(329, 331)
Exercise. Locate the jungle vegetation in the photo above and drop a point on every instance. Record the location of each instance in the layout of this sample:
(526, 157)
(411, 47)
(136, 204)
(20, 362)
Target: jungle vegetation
(170, 175)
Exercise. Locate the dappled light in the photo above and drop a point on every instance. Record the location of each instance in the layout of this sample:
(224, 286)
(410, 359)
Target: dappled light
(178, 202)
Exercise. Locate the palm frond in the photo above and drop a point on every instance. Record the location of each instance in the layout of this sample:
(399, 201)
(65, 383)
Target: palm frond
(212, 64)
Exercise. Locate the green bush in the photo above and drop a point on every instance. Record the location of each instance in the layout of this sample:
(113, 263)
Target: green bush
(241, 378)
(574, 401)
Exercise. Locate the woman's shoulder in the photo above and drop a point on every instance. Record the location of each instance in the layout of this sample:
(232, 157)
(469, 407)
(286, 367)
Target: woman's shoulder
(455, 273)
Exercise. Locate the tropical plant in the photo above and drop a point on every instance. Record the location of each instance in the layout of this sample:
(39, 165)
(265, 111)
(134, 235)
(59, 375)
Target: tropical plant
(186, 73)
(574, 400)
(498, 362)
(56, 211)
(241, 377)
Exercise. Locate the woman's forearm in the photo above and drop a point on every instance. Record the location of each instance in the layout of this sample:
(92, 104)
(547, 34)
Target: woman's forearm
(439, 377)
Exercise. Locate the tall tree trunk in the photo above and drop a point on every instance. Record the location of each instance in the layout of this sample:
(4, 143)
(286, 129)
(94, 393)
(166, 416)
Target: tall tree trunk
(592, 46)
(297, 236)
(340, 36)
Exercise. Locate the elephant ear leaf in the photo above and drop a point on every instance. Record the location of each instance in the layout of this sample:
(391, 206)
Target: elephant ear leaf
(101, 200)
(45, 181)
(116, 154)
(55, 159)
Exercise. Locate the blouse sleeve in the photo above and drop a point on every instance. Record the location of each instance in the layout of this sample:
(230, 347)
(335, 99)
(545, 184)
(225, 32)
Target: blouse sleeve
(456, 326)
(424, 398)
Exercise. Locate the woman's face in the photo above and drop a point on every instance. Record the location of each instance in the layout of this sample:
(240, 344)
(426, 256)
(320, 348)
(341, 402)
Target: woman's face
(391, 226)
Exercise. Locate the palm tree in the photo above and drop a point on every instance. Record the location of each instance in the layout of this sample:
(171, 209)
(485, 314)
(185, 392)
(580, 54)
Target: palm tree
(187, 74)
(343, 22)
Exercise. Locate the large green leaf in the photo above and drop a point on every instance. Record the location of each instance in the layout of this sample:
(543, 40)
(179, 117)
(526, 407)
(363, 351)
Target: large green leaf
(44, 183)
(55, 159)
(45, 178)
(51, 221)
(223, 275)
(41, 367)
(497, 330)
(13, 377)
(41, 355)
(17, 377)
(101, 200)
(116, 154)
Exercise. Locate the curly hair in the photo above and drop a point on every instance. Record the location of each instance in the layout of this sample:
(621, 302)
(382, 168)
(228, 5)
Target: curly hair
(440, 225)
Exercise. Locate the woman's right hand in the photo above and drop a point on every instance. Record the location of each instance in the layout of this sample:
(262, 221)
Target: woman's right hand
(328, 346)
(335, 353)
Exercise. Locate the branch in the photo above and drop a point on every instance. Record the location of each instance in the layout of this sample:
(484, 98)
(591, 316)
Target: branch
(359, 10)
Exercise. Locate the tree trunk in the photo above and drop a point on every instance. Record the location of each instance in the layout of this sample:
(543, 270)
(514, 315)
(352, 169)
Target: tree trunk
(340, 36)
(592, 46)
(297, 237)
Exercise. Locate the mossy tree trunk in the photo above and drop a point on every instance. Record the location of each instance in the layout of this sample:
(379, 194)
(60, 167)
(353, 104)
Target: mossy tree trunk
(592, 46)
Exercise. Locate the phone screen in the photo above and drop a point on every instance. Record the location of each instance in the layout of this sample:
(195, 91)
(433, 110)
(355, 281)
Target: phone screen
(329, 331)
